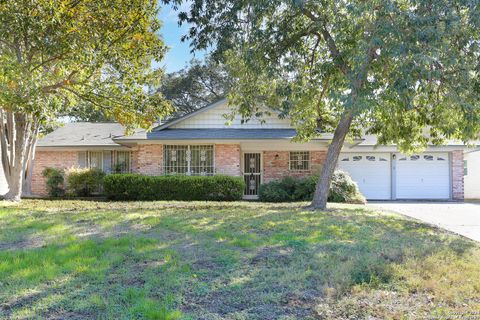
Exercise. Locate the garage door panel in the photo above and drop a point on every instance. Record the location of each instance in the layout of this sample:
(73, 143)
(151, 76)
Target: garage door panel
(371, 172)
(424, 176)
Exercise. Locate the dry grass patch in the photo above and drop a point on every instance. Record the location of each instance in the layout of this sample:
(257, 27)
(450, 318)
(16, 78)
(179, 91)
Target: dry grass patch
(207, 260)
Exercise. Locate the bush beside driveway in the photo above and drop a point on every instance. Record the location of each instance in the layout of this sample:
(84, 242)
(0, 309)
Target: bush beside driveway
(213, 260)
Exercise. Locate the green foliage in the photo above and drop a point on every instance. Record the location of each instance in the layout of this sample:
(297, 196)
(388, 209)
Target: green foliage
(55, 181)
(196, 86)
(178, 187)
(342, 189)
(408, 72)
(274, 192)
(58, 56)
(85, 182)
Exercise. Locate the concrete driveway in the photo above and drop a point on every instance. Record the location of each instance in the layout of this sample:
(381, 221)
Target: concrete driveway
(461, 218)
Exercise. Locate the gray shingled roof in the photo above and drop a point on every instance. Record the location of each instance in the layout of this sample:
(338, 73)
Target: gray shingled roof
(187, 134)
(86, 134)
(78, 134)
(222, 134)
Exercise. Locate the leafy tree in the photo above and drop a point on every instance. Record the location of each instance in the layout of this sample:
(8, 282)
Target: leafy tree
(196, 86)
(87, 113)
(55, 55)
(407, 71)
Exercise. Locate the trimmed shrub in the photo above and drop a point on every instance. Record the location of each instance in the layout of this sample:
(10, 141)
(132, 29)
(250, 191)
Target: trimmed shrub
(175, 187)
(342, 189)
(55, 181)
(305, 188)
(274, 191)
(85, 182)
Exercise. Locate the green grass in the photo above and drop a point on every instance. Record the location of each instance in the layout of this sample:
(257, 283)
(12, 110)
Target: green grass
(199, 260)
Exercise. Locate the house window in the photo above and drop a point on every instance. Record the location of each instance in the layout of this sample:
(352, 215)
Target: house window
(188, 159)
(95, 160)
(121, 161)
(465, 167)
(299, 160)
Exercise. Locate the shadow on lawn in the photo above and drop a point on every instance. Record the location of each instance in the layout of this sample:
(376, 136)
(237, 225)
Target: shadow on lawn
(210, 261)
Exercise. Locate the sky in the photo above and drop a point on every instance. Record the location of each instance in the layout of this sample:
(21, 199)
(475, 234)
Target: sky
(178, 54)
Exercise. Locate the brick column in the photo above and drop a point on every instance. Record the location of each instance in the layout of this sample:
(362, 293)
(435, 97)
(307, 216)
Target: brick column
(227, 159)
(148, 159)
(457, 175)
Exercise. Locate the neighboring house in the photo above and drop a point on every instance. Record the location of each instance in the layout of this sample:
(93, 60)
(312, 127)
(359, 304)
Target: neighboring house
(201, 143)
(472, 174)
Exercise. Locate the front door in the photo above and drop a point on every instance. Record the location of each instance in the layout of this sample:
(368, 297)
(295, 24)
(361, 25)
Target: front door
(252, 174)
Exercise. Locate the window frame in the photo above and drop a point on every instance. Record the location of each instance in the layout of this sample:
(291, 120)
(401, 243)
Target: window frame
(189, 167)
(308, 161)
(88, 160)
(114, 161)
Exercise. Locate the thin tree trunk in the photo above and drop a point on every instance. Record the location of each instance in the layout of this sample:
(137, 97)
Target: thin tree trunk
(323, 185)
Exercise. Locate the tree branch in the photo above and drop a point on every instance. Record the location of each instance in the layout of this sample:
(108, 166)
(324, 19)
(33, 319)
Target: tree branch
(329, 41)
(61, 84)
(48, 60)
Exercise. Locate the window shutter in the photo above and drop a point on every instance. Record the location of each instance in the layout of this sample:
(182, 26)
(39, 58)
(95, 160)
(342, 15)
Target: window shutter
(82, 159)
(107, 161)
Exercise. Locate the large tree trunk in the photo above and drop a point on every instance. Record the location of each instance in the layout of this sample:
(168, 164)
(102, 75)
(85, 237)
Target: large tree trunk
(323, 185)
(18, 135)
(28, 168)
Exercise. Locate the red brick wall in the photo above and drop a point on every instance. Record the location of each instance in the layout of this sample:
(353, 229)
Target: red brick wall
(457, 175)
(148, 159)
(227, 159)
(54, 159)
(276, 164)
(134, 159)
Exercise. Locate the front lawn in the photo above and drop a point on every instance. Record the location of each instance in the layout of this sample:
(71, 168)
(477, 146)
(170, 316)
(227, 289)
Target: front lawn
(198, 260)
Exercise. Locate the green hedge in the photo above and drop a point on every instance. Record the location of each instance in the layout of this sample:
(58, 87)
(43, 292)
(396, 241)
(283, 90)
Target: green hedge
(54, 181)
(84, 182)
(141, 187)
(342, 189)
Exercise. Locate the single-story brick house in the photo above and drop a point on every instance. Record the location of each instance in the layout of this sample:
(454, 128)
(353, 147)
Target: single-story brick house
(201, 143)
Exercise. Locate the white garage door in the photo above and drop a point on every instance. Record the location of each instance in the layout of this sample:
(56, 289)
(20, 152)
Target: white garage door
(371, 171)
(422, 176)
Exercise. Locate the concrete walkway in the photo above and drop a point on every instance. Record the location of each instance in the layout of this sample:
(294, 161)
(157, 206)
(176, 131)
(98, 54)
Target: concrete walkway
(461, 218)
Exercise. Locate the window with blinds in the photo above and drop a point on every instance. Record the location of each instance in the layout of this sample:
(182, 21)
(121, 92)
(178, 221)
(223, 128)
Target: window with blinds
(188, 159)
(95, 160)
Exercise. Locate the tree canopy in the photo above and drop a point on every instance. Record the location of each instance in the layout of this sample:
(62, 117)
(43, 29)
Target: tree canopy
(57, 55)
(196, 86)
(407, 71)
